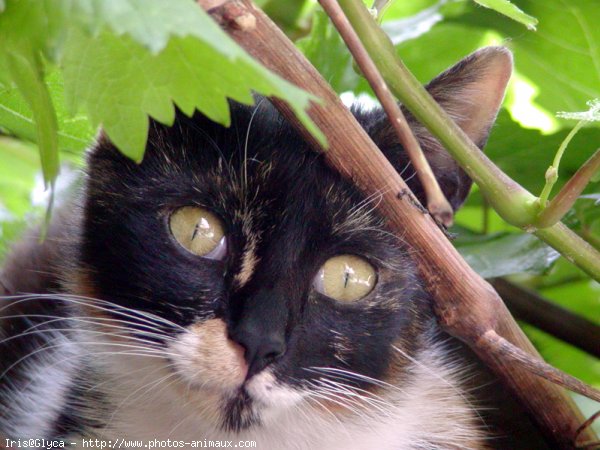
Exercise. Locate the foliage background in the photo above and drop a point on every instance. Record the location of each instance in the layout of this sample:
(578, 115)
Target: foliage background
(557, 68)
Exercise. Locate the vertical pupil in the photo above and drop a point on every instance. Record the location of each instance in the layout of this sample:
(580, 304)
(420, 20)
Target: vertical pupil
(349, 275)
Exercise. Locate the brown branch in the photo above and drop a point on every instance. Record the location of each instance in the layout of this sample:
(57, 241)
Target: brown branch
(437, 204)
(465, 304)
(526, 305)
(584, 426)
(567, 196)
(500, 346)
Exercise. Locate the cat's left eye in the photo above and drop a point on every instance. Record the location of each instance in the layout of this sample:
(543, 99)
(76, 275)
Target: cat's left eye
(199, 231)
(345, 278)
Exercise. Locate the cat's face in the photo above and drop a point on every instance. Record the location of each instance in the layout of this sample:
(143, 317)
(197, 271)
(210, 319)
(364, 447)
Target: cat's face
(248, 241)
(257, 275)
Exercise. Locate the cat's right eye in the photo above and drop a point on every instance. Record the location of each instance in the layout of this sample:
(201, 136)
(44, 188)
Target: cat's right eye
(199, 231)
(346, 278)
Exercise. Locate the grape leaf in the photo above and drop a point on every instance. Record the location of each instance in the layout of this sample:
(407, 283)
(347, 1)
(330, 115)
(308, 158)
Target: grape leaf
(581, 296)
(26, 73)
(566, 357)
(125, 59)
(74, 132)
(399, 10)
(16, 157)
(19, 162)
(510, 10)
(412, 26)
(505, 254)
(562, 58)
(151, 23)
(525, 154)
(326, 50)
(192, 74)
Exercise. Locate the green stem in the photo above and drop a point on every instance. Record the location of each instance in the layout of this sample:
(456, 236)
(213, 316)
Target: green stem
(512, 202)
(572, 247)
(552, 172)
(564, 200)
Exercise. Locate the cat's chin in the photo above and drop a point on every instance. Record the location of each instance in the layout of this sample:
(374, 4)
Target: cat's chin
(267, 392)
(259, 401)
(255, 402)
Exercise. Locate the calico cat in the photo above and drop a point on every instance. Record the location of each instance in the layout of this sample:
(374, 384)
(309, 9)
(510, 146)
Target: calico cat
(234, 287)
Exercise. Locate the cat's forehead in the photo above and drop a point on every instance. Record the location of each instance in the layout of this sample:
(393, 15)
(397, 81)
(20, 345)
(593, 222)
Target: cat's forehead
(258, 172)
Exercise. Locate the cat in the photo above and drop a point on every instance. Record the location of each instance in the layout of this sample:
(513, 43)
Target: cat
(233, 287)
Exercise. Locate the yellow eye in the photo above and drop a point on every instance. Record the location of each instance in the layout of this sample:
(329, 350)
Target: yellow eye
(346, 278)
(199, 231)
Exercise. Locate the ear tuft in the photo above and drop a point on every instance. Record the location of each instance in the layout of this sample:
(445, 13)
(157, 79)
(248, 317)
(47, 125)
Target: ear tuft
(471, 92)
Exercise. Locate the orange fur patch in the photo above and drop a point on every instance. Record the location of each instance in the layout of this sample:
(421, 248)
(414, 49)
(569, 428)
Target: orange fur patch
(214, 359)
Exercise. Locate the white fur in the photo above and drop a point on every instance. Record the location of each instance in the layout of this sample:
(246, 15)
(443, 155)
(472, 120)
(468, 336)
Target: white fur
(37, 402)
(427, 411)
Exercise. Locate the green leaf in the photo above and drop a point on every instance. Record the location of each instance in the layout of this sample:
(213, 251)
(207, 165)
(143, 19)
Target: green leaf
(505, 254)
(586, 217)
(10, 230)
(560, 63)
(103, 48)
(525, 154)
(562, 59)
(27, 75)
(19, 163)
(326, 50)
(151, 23)
(399, 10)
(74, 133)
(100, 69)
(566, 357)
(446, 44)
(289, 15)
(581, 297)
(510, 10)
(406, 26)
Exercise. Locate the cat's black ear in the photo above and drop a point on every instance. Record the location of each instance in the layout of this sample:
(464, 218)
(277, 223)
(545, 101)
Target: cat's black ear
(471, 92)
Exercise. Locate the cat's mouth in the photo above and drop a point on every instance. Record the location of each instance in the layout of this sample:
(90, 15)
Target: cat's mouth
(215, 369)
(255, 402)
(239, 412)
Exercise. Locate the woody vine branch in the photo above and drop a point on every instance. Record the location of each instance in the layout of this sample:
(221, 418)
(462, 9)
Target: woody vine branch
(467, 307)
(512, 202)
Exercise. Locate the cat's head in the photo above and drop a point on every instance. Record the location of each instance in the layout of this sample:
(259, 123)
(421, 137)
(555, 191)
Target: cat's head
(252, 273)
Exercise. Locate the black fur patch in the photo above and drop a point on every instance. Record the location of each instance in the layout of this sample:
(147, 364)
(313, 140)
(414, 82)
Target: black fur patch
(268, 186)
